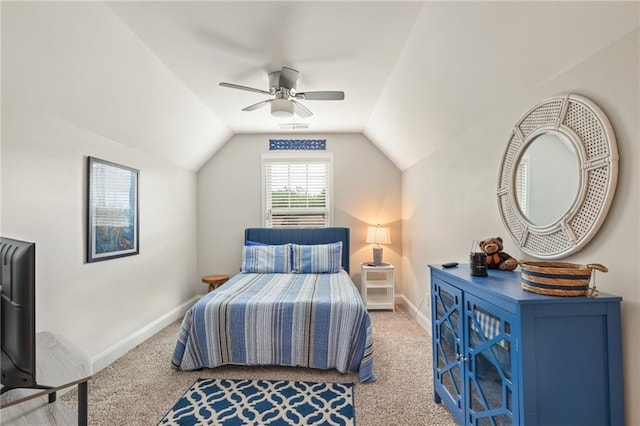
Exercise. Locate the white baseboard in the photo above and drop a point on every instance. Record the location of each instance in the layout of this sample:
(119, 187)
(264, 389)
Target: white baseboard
(419, 316)
(111, 354)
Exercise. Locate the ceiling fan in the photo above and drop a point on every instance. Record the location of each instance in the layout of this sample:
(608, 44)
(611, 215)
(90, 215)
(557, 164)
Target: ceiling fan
(285, 102)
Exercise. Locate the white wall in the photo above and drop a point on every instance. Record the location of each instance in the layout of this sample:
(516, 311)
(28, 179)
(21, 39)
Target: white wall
(367, 188)
(449, 197)
(75, 83)
(98, 305)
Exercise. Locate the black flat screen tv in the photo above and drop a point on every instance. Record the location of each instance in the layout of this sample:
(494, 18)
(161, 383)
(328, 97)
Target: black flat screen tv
(18, 314)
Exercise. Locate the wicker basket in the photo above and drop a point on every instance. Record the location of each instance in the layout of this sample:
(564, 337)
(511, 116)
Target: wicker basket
(559, 278)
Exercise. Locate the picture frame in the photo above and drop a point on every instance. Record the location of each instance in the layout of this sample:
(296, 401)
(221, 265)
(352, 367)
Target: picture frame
(112, 210)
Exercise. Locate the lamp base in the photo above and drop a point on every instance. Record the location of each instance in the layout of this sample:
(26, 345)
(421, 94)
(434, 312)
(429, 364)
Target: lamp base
(377, 256)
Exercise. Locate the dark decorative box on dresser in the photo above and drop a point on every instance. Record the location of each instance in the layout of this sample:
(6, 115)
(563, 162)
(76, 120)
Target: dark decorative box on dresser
(502, 355)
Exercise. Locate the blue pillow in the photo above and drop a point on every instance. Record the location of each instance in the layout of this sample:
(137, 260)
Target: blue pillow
(317, 259)
(254, 243)
(265, 259)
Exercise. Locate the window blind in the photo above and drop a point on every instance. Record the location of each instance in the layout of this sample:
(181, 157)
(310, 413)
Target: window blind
(296, 194)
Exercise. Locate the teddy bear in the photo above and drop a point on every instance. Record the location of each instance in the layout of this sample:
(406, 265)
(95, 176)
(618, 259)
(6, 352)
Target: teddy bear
(496, 258)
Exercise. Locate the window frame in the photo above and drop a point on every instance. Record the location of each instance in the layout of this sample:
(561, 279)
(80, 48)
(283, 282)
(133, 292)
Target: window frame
(298, 157)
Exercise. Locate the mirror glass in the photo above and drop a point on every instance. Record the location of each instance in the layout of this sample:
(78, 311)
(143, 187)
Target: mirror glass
(547, 178)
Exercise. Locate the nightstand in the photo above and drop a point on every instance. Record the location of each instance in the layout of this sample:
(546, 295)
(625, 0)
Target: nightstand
(215, 281)
(378, 286)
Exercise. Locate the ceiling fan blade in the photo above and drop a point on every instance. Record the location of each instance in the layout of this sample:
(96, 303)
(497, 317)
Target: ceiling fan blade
(258, 105)
(321, 96)
(301, 110)
(250, 89)
(288, 77)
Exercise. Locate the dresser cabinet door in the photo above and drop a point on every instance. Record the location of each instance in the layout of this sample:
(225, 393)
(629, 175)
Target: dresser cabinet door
(490, 364)
(506, 356)
(447, 323)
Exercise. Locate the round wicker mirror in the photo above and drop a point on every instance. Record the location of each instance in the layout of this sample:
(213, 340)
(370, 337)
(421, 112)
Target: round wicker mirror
(585, 132)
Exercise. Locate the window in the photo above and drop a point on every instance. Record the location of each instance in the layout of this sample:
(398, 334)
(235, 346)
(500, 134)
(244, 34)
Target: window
(522, 185)
(297, 190)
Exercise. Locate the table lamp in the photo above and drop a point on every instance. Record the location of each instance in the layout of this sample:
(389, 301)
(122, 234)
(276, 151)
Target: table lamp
(378, 235)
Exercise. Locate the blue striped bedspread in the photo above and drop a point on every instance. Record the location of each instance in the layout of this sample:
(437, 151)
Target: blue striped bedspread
(304, 320)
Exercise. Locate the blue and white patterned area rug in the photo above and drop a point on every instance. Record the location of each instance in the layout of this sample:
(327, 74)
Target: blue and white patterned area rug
(263, 402)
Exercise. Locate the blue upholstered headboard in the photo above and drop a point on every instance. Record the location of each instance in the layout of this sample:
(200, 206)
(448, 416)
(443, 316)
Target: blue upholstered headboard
(307, 236)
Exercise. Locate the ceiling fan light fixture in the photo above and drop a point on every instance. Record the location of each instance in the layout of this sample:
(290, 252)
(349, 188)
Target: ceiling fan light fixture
(281, 108)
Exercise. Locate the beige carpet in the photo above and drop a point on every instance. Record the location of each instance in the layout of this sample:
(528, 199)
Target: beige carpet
(140, 387)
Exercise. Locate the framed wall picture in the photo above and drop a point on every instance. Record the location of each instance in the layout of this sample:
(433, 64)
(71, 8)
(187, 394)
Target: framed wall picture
(112, 219)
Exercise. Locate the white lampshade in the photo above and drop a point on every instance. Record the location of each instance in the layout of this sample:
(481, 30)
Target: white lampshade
(378, 235)
(281, 108)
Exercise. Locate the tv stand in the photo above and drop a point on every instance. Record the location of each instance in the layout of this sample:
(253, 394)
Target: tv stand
(61, 367)
(23, 376)
(52, 396)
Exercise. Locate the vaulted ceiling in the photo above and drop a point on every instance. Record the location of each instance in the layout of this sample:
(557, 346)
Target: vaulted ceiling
(414, 74)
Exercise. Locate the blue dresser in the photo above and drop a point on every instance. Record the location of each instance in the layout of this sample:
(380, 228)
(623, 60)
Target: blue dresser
(502, 355)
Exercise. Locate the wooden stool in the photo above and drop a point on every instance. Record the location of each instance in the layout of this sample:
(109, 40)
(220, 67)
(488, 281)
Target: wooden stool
(215, 281)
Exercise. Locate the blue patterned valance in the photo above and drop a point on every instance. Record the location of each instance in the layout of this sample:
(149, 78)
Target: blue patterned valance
(297, 144)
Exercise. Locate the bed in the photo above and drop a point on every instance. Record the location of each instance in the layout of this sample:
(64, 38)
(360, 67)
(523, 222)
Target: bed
(292, 304)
